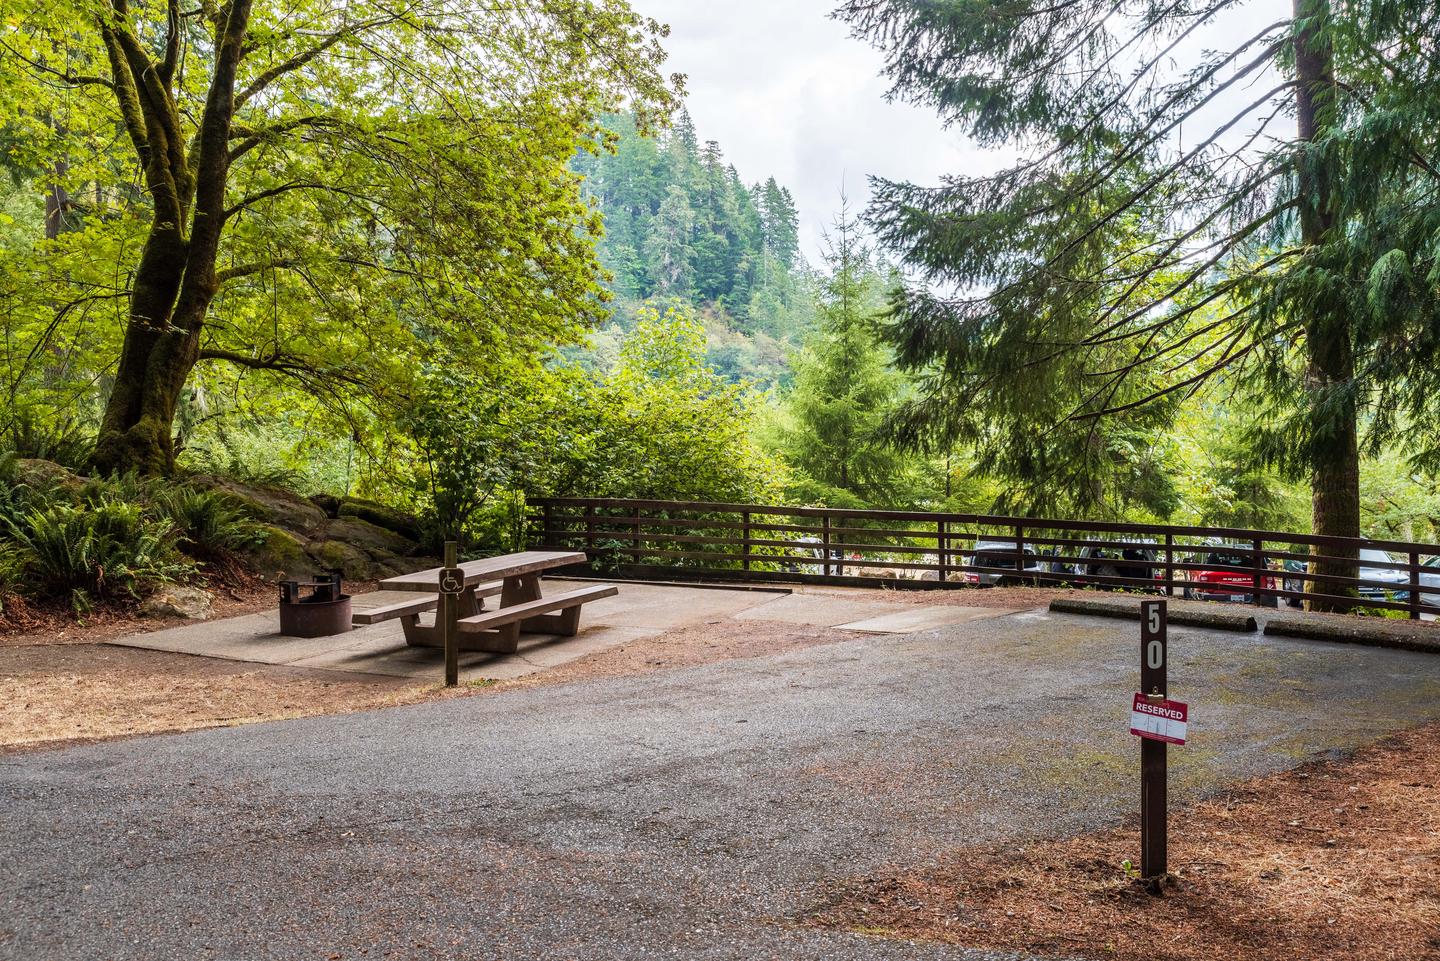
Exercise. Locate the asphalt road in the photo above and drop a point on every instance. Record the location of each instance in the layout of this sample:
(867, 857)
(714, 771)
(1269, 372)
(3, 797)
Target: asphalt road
(689, 814)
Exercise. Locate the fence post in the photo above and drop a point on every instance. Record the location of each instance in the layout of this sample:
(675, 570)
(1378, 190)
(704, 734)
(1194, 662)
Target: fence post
(745, 536)
(1414, 585)
(825, 542)
(1258, 563)
(589, 529)
(942, 542)
(1020, 552)
(635, 540)
(547, 526)
(1169, 565)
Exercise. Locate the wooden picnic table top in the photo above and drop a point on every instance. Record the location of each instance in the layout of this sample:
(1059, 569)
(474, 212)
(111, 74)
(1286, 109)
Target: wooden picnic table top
(486, 569)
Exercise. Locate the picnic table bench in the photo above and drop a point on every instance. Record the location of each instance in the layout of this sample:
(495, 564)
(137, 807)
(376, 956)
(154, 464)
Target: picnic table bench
(523, 608)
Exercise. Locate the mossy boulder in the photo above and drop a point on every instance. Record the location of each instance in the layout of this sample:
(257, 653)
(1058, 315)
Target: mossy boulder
(353, 563)
(191, 603)
(406, 525)
(273, 505)
(281, 554)
(47, 475)
(370, 538)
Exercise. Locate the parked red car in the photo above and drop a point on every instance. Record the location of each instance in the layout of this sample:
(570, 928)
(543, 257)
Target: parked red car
(1228, 577)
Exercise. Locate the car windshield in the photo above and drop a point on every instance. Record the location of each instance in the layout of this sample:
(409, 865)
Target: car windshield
(1375, 557)
(1227, 560)
(1000, 549)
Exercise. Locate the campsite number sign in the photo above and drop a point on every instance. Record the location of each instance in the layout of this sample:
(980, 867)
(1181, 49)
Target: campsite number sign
(1158, 722)
(1153, 715)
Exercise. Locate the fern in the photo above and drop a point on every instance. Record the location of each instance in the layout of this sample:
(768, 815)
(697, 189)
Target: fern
(212, 525)
(98, 551)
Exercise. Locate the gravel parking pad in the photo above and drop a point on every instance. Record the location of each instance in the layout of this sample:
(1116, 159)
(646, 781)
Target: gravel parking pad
(687, 813)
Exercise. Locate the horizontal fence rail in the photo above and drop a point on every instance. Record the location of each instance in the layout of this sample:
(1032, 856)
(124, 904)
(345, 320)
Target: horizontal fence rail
(749, 542)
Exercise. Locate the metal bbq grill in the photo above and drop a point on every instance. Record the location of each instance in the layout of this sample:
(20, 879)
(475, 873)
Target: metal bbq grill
(323, 612)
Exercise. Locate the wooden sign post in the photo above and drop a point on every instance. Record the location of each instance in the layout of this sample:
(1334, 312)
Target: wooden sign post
(452, 585)
(1154, 685)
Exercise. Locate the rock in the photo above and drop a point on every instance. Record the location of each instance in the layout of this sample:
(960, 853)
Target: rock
(274, 505)
(929, 575)
(397, 566)
(46, 475)
(885, 574)
(368, 537)
(188, 602)
(399, 522)
(328, 503)
(352, 563)
(281, 555)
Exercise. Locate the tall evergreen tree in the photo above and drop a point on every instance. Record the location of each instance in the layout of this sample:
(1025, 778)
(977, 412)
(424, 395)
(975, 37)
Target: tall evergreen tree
(679, 222)
(781, 220)
(843, 379)
(1265, 216)
(669, 248)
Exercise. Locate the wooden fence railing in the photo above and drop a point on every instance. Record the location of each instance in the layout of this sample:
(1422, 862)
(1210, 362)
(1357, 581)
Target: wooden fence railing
(749, 542)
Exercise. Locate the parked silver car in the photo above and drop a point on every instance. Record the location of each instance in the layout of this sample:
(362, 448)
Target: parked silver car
(1392, 579)
(1000, 554)
(1430, 580)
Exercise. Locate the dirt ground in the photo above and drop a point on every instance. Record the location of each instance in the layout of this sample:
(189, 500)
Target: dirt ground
(64, 694)
(1010, 598)
(1334, 860)
(25, 623)
(68, 692)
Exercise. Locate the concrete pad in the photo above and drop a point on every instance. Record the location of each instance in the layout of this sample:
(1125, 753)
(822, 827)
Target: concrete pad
(639, 611)
(820, 610)
(924, 619)
(253, 637)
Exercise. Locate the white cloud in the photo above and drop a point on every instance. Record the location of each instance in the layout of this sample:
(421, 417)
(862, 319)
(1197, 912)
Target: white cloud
(787, 92)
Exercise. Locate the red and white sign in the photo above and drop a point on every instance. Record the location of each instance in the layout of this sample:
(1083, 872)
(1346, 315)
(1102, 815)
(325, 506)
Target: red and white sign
(1166, 721)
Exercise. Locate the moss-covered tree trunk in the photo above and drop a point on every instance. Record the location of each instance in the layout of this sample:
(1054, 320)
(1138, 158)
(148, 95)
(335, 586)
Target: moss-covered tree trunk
(175, 280)
(1330, 357)
(158, 354)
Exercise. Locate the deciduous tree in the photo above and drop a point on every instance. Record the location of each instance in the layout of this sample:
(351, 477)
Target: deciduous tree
(384, 174)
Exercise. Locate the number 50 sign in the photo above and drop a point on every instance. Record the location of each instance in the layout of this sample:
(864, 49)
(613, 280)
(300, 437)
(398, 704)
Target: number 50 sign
(1155, 641)
(1152, 715)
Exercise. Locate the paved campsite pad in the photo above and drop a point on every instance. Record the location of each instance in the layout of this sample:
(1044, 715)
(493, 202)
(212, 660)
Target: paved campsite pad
(639, 611)
(690, 813)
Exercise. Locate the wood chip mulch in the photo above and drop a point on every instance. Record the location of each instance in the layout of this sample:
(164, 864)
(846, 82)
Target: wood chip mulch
(1335, 860)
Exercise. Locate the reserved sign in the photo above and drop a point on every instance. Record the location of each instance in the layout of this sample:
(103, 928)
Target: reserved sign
(1166, 721)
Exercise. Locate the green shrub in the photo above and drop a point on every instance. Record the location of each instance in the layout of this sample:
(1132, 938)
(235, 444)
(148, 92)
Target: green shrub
(212, 524)
(122, 488)
(101, 550)
(32, 436)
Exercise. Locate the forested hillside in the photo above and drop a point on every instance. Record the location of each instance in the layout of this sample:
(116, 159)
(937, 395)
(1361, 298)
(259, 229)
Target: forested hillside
(682, 225)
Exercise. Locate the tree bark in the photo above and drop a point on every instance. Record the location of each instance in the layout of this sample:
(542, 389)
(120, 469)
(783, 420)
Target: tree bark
(1334, 447)
(57, 202)
(175, 280)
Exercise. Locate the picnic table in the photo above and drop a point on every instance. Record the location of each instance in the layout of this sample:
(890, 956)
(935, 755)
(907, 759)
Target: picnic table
(523, 606)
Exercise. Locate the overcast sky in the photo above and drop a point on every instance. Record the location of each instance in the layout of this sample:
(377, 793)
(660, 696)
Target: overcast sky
(788, 93)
